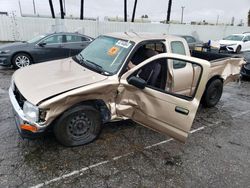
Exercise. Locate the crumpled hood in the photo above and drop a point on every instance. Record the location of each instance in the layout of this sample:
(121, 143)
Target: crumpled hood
(41, 81)
(228, 42)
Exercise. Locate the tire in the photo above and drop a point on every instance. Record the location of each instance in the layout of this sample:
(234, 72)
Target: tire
(21, 60)
(212, 93)
(238, 49)
(78, 126)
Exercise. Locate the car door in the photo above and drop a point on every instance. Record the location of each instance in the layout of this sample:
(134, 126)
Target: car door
(50, 48)
(75, 44)
(157, 107)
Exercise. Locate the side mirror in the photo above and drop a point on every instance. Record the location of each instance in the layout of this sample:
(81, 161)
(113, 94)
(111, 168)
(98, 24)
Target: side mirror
(42, 44)
(137, 82)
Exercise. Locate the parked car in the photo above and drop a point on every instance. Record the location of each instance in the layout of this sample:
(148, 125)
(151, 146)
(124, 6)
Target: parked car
(162, 91)
(235, 43)
(245, 71)
(42, 48)
(193, 43)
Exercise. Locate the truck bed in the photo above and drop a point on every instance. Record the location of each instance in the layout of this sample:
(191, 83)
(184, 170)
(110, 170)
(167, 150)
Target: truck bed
(226, 66)
(212, 56)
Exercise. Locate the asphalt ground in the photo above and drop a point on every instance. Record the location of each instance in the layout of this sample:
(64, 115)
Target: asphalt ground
(216, 154)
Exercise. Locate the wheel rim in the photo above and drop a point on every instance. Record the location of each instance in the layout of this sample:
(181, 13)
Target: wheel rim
(214, 94)
(22, 61)
(79, 126)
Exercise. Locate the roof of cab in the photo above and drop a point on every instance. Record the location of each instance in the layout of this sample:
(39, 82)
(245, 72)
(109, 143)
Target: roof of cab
(139, 37)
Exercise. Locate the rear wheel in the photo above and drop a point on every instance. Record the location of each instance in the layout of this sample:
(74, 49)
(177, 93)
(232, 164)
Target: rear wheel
(21, 60)
(212, 93)
(78, 126)
(238, 49)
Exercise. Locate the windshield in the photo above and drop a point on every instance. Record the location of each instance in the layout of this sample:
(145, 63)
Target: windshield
(35, 39)
(234, 37)
(106, 53)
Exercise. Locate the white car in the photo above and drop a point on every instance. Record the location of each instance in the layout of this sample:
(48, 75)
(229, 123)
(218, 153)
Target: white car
(236, 43)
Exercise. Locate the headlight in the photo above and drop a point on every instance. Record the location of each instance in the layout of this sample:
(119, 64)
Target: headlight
(4, 51)
(30, 111)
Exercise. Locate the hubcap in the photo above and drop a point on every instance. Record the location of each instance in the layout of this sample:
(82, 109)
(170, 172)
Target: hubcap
(22, 61)
(79, 125)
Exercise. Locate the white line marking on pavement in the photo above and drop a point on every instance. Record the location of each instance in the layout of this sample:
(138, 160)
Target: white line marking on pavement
(122, 156)
(75, 172)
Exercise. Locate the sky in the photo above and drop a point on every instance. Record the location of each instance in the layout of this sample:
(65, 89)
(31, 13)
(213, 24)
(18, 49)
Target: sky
(195, 10)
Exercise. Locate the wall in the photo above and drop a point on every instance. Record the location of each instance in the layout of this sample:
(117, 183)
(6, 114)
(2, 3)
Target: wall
(24, 28)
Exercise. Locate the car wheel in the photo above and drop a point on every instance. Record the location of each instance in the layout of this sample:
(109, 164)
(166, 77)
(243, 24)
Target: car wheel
(212, 93)
(77, 126)
(21, 60)
(238, 49)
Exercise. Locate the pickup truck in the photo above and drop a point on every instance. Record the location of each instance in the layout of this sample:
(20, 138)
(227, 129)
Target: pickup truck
(162, 91)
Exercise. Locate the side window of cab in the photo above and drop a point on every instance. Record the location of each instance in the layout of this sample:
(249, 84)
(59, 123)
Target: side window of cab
(177, 47)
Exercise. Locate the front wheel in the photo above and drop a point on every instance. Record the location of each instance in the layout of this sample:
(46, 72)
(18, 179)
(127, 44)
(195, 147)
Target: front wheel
(77, 126)
(212, 93)
(238, 49)
(21, 60)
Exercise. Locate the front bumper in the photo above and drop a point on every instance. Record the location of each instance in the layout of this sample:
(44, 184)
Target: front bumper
(229, 48)
(5, 60)
(20, 120)
(245, 70)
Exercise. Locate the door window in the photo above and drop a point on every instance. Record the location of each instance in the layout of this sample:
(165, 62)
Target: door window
(177, 47)
(76, 38)
(55, 39)
(160, 76)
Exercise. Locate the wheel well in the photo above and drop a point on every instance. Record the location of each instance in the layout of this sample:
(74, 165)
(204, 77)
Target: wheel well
(214, 78)
(23, 52)
(98, 104)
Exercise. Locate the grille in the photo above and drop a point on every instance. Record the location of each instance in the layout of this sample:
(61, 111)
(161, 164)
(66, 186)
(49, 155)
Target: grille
(20, 99)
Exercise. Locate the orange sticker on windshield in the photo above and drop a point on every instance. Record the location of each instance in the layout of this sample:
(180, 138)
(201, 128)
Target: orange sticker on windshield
(113, 51)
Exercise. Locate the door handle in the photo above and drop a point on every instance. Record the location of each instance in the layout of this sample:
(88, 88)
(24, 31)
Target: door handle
(181, 110)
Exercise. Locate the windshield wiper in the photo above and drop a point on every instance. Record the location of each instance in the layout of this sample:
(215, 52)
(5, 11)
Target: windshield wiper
(93, 65)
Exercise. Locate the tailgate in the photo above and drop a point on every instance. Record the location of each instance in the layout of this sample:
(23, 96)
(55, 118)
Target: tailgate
(228, 69)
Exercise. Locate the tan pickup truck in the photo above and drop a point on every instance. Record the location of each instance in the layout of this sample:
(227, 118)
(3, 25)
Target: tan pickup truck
(161, 90)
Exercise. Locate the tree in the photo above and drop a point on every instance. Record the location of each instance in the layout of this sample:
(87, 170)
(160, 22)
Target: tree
(249, 18)
(169, 10)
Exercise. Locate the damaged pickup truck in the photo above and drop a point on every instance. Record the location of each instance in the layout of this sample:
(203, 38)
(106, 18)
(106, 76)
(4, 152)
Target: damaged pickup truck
(148, 78)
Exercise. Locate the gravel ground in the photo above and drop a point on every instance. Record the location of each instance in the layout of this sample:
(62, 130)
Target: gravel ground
(217, 152)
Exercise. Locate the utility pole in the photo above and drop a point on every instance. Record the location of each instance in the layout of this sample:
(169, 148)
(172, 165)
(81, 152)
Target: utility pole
(217, 21)
(169, 10)
(20, 8)
(182, 12)
(82, 10)
(34, 7)
(64, 7)
(51, 9)
(133, 16)
(125, 10)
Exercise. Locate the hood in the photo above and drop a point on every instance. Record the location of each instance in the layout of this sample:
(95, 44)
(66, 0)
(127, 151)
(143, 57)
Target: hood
(41, 81)
(13, 45)
(228, 42)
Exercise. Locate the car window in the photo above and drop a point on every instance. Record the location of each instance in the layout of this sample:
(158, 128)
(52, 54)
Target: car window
(55, 39)
(159, 47)
(158, 76)
(177, 47)
(247, 38)
(107, 52)
(234, 37)
(190, 39)
(73, 38)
